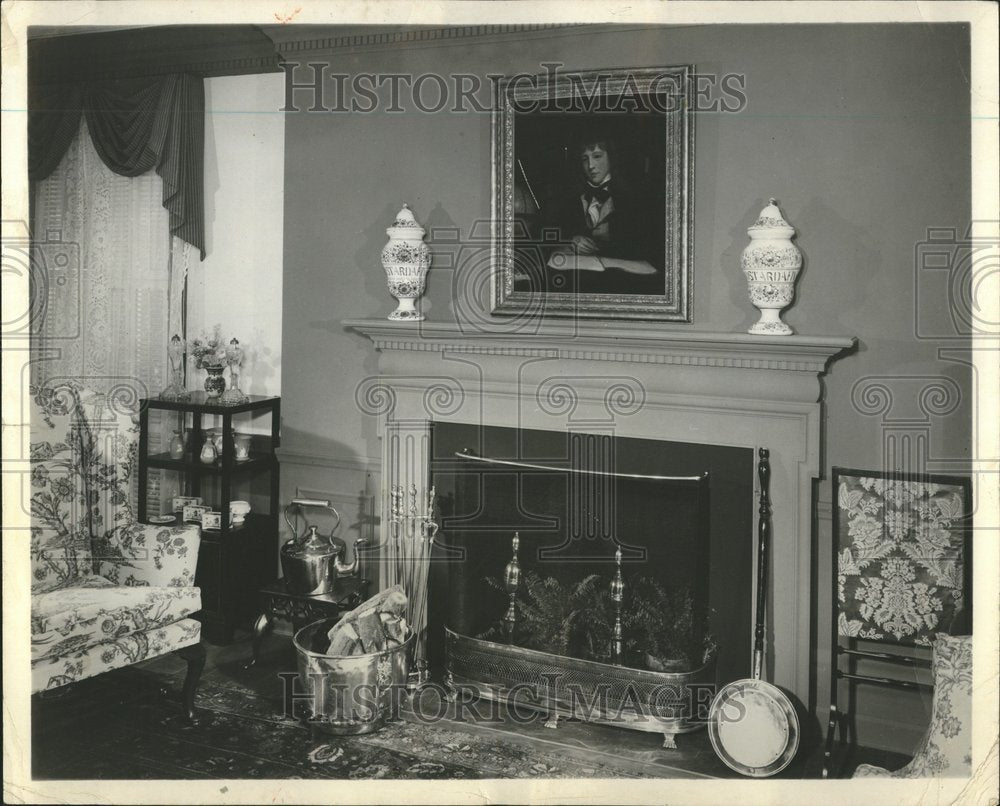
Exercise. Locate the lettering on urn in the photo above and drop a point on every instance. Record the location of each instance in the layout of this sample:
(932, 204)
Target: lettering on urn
(771, 262)
(406, 259)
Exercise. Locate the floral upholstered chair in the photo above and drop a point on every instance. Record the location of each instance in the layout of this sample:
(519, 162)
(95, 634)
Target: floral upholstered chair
(946, 749)
(106, 591)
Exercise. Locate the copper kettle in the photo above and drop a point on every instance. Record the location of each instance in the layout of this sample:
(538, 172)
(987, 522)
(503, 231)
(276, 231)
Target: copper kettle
(312, 562)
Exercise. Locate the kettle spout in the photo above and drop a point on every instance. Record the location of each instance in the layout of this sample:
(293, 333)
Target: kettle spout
(343, 569)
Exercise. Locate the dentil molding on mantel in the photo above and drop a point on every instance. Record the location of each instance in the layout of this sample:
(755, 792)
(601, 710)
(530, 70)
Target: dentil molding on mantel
(642, 344)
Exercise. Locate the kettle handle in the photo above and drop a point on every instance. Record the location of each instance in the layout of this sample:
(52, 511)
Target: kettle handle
(309, 502)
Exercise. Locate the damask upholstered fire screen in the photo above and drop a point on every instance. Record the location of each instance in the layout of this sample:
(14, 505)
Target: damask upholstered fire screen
(902, 568)
(901, 557)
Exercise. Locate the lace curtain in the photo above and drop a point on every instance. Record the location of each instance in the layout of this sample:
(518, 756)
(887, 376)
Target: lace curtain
(113, 285)
(114, 290)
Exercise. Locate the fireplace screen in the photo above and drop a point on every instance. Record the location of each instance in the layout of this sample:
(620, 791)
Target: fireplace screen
(679, 515)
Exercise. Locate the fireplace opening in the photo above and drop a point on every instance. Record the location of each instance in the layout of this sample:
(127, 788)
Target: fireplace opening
(574, 498)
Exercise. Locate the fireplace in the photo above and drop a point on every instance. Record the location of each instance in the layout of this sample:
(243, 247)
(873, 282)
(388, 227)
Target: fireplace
(632, 381)
(681, 514)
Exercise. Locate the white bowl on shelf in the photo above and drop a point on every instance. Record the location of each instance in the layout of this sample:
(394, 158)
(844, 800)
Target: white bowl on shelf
(238, 511)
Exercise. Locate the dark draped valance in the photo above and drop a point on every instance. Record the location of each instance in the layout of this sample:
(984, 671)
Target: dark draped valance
(136, 125)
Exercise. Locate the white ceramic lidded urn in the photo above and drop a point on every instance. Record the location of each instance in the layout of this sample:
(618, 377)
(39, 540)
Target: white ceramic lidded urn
(771, 262)
(406, 259)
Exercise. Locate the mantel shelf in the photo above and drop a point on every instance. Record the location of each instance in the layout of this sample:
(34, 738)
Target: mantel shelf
(640, 343)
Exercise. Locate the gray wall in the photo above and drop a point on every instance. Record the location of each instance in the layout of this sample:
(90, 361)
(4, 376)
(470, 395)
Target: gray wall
(861, 132)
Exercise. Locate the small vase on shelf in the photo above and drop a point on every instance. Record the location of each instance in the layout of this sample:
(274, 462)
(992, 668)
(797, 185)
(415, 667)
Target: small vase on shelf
(234, 357)
(177, 445)
(208, 453)
(215, 382)
(242, 443)
(176, 390)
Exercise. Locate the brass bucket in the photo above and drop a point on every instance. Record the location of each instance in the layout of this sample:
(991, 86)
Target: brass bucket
(351, 694)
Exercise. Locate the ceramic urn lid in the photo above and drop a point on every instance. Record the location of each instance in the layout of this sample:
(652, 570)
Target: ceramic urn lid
(405, 225)
(771, 224)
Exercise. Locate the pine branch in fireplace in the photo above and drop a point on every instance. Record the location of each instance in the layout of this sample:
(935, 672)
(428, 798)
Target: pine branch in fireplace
(664, 630)
(574, 621)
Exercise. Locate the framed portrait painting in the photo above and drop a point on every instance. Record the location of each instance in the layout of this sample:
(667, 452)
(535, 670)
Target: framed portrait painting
(592, 194)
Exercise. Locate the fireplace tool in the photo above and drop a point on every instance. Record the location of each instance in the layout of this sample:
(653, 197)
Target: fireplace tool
(752, 724)
(411, 537)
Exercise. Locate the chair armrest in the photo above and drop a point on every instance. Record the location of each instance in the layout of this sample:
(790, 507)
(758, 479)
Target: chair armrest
(141, 554)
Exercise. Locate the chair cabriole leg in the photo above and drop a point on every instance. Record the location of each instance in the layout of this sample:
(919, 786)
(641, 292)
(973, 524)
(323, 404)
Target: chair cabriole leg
(194, 655)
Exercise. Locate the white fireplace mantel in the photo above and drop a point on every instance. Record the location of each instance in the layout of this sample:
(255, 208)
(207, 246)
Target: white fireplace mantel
(587, 341)
(641, 380)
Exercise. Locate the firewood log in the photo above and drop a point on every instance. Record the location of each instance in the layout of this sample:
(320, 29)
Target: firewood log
(394, 628)
(369, 629)
(363, 625)
(345, 642)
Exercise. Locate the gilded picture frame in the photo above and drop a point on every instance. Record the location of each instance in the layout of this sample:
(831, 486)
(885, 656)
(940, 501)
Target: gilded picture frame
(593, 194)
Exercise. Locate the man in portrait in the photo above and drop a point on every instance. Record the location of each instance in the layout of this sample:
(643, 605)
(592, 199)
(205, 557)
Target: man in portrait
(608, 232)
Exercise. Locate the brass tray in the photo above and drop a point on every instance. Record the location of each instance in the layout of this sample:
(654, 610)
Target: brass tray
(659, 702)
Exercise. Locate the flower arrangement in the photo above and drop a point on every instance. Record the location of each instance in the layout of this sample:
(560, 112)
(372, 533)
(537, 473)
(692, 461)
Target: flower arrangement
(208, 351)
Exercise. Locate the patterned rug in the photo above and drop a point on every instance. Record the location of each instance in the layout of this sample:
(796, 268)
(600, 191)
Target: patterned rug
(120, 726)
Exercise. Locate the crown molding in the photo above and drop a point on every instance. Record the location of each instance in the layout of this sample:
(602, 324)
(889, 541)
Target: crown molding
(297, 41)
(205, 50)
(69, 53)
(615, 343)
